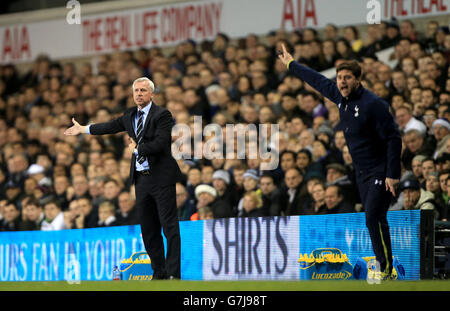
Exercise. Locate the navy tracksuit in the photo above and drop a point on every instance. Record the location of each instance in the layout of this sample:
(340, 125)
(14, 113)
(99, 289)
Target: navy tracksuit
(375, 145)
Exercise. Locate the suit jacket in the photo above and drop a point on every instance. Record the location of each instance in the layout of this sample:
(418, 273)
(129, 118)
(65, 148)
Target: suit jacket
(294, 207)
(272, 203)
(130, 219)
(156, 145)
(342, 207)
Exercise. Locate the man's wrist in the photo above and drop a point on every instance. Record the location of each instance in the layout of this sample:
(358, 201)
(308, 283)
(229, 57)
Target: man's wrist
(289, 62)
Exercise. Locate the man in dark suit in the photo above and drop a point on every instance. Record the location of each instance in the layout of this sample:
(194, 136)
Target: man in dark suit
(336, 202)
(293, 195)
(154, 172)
(127, 214)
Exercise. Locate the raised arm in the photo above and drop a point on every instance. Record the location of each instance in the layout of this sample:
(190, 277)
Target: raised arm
(318, 81)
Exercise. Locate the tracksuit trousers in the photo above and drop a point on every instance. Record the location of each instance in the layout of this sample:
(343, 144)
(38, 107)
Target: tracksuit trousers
(376, 200)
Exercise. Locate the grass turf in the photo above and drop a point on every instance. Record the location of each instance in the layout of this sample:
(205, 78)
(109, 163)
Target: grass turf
(351, 285)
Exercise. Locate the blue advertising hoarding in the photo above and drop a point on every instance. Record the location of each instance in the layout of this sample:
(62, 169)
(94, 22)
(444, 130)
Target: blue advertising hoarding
(54, 255)
(233, 248)
(348, 233)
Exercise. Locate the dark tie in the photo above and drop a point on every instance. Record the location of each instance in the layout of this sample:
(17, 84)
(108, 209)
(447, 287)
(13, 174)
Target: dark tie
(140, 134)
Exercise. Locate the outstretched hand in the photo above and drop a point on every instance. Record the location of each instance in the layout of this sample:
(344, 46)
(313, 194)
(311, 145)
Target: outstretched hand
(284, 56)
(75, 129)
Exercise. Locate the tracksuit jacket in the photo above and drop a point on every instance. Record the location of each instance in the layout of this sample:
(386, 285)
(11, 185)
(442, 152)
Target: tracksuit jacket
(371, 134)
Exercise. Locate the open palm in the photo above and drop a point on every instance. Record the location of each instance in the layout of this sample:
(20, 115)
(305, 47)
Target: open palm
(75, 129)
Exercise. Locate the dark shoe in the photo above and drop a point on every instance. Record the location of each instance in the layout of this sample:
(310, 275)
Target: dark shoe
(386, 276)
(160, 276)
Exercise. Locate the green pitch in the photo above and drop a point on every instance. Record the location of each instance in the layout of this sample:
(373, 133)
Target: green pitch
(428, 285)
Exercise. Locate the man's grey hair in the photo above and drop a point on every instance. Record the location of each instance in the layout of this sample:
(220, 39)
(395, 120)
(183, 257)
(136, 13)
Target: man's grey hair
(151, 85)
(415, 131)
(419, 158)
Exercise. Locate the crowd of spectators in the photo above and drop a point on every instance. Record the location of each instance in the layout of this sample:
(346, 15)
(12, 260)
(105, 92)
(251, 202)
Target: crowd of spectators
(50, 181)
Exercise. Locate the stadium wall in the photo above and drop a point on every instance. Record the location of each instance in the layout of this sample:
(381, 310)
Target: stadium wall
(106, 27)
(265, 248)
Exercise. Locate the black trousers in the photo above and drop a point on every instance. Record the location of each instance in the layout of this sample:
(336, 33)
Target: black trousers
(157, 209)
(375, 200)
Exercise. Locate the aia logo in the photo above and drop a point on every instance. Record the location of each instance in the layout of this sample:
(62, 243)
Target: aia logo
(74, 15)
(374, 15)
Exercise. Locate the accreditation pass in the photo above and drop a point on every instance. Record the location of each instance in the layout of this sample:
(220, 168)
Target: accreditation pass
(241, 301)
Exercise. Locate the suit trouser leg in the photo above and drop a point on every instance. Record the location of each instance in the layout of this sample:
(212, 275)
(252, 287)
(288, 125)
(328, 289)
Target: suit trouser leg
(150, 227)
(157, 209)
(167, 209)
(376, 202)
